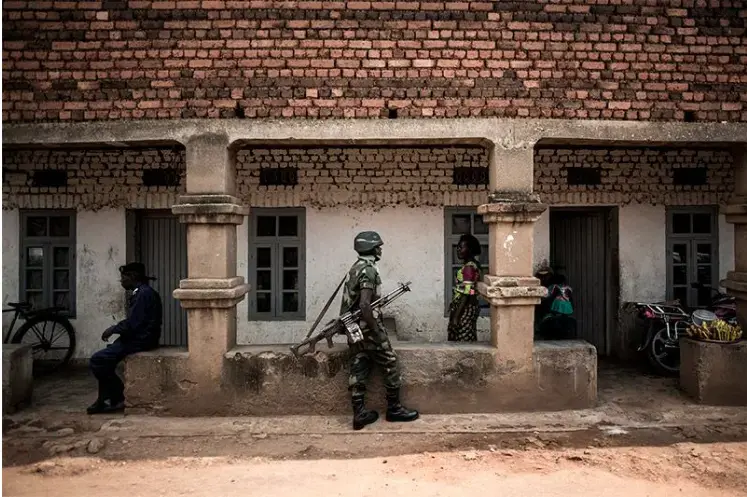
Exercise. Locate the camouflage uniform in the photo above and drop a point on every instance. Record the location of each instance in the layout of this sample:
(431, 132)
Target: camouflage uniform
(375, 347)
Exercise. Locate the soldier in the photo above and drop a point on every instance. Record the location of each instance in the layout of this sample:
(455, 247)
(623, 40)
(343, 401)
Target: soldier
(361, 289)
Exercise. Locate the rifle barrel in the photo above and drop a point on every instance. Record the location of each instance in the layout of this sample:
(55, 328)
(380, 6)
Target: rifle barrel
(393, 294)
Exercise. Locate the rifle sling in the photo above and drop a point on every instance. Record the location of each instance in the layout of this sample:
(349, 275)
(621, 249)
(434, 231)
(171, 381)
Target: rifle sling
(324, 311)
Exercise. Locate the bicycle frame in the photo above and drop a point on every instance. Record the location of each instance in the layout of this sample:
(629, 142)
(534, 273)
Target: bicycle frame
(12, 326)
(25, 314)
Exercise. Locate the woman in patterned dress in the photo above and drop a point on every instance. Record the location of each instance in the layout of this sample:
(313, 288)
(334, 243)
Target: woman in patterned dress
(465, 309)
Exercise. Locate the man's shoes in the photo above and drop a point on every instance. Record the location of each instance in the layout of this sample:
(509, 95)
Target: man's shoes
(395, 411)
(96, 408)
(361, 415)
(106, 407)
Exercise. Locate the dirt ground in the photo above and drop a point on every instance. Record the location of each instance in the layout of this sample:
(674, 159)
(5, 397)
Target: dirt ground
(644, 438)
(687, 469)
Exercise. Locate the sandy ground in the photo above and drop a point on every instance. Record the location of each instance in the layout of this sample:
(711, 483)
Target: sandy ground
(690, 470)
(644, 438)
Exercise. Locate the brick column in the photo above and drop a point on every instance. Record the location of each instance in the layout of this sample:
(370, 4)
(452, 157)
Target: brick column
(510, 287)
(213, 289)
(736, 213)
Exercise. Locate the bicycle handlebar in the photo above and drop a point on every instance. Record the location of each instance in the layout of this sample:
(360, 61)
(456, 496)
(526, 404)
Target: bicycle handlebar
(27, 309)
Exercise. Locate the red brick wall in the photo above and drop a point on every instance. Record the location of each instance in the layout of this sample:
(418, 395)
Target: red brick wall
(622, 59)
(355, 177)
(363, 177)
(96, 179)
(633, 175)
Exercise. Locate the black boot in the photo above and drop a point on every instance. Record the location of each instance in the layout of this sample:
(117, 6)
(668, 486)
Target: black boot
(361, 415)
(106, 407)
(395, 411)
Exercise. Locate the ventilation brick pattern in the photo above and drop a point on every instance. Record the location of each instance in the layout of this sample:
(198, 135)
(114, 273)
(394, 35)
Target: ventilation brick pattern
(633, 175)
(366, 178)
(362, 177)
(97, 179)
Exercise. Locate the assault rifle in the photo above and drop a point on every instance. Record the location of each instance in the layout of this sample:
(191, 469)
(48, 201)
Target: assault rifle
(347, 324)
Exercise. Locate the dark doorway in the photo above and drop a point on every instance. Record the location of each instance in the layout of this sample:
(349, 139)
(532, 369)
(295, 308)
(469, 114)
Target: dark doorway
(159, 240)
(583, 244)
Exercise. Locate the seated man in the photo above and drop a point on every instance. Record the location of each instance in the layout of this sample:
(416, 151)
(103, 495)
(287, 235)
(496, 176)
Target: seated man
(140, 331)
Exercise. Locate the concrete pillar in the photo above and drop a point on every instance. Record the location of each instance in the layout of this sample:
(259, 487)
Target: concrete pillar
(511, 288)
(736, 213)
(212, 289)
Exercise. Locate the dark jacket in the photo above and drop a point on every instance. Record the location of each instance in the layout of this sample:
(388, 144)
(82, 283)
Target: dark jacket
(144, 318)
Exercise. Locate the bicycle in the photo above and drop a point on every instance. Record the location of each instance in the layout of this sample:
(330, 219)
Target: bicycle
(42, 329)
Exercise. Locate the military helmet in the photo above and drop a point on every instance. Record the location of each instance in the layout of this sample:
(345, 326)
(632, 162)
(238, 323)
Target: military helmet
(366, 241)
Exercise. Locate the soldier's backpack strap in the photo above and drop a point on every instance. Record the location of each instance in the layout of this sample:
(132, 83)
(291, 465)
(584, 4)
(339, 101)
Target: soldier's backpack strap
(326, 306)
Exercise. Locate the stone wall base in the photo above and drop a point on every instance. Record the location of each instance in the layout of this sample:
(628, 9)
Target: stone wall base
(714, 373)
(437, 379)
(18, 381)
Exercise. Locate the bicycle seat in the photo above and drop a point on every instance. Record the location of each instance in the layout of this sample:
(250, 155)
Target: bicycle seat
(19, 305)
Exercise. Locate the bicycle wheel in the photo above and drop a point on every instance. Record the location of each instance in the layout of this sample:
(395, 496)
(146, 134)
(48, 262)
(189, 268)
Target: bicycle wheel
(52, 341)
(664, 354)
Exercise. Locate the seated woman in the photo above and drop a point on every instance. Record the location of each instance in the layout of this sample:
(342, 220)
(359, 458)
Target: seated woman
(561, 295)
(465, 309)
(558, 322)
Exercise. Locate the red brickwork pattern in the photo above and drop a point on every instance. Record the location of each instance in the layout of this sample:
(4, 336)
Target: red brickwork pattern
(644, 176)
(358, 177)
(370, 177)
(97, 179)
(599, 59)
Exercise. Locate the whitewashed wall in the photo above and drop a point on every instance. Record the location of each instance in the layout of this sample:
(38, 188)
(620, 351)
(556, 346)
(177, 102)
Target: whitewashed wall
(100, 298)
(725, 247)
(414, 250)
(643, 258)
(100, 251)
(542, 239)
(642, 243)
(642, 246)
(11, 261)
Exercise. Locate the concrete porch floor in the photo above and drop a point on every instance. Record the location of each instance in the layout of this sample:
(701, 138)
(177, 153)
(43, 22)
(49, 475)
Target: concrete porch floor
(440, 378)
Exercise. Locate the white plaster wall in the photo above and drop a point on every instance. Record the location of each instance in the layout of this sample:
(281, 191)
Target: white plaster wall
(642, 237)
(725, 247)
(413, 250)
(643, 271)
(414, 242)
(11, 260)
(542, 239)
(100, 239)
(101, 242)
(642, 250)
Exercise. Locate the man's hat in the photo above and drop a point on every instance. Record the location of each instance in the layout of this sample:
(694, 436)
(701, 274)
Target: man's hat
(137, 269)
